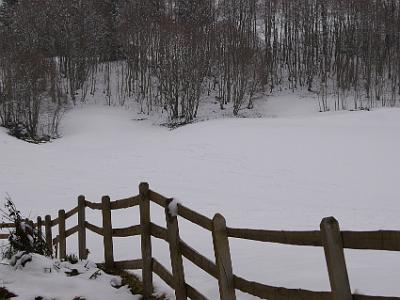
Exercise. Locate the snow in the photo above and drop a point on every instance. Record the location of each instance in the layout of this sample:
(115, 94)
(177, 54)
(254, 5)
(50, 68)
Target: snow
(20, 259)
(173, 207)
(46, 278)
(285, 171)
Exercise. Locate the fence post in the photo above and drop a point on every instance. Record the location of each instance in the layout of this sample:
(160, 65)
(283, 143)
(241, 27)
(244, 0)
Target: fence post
(175, 254)
(39, 226)
(107, 233)
(335, 260)
(147, 271)
(223, 259)
(31, 224)
(81, 228)
(49, 235)
(61, 234)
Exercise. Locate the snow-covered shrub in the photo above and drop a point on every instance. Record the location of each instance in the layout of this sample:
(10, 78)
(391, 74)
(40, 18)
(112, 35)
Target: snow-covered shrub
(23, 239)
(20, 259)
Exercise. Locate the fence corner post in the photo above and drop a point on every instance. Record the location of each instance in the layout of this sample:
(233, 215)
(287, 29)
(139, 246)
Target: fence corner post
(175, 254)
(147, 271)
(81, 228)
(62, 240)
(223, 259)
(49, 235)
(107, 232)
(335, 259)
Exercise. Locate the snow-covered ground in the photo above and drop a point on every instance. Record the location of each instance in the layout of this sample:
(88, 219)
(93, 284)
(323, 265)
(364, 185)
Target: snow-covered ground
(46, 278)
(285, 171)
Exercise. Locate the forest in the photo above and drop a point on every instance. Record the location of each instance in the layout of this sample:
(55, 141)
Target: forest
(167, 55)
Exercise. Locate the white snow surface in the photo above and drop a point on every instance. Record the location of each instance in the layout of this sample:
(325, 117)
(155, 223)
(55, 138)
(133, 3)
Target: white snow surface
(44, 277)
(285, 172)
(173, 207)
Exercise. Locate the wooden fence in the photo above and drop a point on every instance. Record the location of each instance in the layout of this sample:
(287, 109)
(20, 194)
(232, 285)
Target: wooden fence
(329, 236)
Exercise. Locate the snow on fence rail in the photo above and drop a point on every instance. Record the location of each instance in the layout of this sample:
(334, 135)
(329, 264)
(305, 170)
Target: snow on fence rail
(329, 236)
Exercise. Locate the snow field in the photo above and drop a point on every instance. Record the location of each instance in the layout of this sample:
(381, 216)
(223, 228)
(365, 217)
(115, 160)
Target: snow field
(285, 172)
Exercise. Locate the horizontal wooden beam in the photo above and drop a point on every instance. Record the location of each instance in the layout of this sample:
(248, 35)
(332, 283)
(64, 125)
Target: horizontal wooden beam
(372, 240)
(369, 240)
(128, 231)
(54, 222)
(93, 205)
(163, 273)
(199, 260)
(277, 293)
(135, 264)
(158, 232)
(7, 225)
(299, 238)
(94, 228)
(125, 203)
(194, 217)
(366, 297)
(71, 212)
(167, 277)
(71, 231)
(157, 198)
(194, 294)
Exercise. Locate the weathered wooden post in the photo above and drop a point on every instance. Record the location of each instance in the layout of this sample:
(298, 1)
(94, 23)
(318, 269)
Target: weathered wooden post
(107, 233)
(223, 259)
(147, 271)
(49, 235)
(31, 224)
(81, 228)
(335, 260)
(61, 234)
(175, 254)
(39, 226)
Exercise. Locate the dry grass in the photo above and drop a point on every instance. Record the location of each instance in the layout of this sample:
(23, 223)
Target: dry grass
(5, 294)
(132, 281)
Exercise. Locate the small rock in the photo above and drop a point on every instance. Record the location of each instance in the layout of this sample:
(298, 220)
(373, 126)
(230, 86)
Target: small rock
(116, 282)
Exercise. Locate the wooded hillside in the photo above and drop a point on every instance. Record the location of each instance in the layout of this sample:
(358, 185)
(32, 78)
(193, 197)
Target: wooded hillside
(167, 54)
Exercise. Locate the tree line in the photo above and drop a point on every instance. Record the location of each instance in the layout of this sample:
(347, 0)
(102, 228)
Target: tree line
(167, 55)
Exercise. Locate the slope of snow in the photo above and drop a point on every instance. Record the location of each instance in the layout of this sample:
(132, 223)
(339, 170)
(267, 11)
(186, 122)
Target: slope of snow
(285, 172)
(46, 278)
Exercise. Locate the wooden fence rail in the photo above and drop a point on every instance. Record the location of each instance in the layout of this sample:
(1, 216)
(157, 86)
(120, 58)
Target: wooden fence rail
(330, 237)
